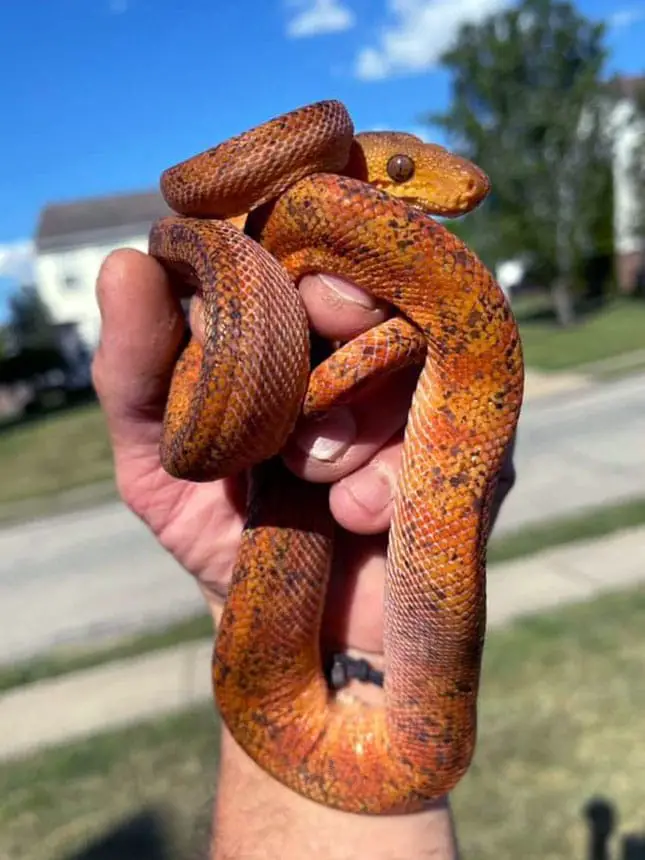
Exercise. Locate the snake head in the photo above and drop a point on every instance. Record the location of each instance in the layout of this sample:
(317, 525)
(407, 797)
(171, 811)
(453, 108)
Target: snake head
(422, 174)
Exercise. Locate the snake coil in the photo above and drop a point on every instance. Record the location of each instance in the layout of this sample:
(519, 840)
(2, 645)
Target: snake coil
(320, 198)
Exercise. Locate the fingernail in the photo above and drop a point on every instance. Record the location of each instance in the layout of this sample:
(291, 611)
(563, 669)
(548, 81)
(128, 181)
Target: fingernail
(372, 488)
(349, 292)
(328, 437)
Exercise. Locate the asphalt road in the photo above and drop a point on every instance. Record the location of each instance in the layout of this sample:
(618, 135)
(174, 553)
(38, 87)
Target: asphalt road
(576, 451)
(98, 573)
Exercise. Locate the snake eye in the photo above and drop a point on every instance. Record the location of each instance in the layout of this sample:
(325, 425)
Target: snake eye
(400, 168)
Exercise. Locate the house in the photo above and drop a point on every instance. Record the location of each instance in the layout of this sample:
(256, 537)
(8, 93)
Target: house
(72, 240)
(629, 145)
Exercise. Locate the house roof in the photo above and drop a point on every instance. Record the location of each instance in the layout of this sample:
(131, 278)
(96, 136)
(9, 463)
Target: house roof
(628, 86)
(60, 222)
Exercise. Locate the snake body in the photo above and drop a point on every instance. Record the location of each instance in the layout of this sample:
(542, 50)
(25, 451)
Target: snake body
(321, 199)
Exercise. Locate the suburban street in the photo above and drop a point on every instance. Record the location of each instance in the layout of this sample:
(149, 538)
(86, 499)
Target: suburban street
(98, 573)
(578, 450)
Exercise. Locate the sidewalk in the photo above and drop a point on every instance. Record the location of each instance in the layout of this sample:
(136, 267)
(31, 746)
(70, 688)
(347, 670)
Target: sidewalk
(539, 384)
(164, 682)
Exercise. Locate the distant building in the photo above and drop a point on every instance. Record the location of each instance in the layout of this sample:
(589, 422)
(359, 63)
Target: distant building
(73, 239)
(629, 144)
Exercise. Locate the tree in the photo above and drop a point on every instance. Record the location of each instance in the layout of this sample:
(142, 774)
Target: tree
(34, 348)
(30, 320)
(528, 105)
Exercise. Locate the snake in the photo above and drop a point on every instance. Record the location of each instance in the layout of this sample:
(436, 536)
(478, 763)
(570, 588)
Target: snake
(299, 194)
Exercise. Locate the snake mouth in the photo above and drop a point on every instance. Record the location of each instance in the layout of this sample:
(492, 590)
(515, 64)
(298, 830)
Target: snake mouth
(415, 203)
(436, 210)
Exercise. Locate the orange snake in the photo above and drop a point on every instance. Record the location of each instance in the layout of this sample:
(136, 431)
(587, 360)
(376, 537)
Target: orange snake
(322, 199)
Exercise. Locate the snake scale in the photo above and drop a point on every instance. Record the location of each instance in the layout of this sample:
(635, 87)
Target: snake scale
(312, 196)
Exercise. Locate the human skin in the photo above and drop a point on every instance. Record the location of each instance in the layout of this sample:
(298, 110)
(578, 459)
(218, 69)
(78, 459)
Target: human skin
(357, 452)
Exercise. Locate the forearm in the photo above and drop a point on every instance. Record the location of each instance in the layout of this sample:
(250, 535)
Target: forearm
(256, 818)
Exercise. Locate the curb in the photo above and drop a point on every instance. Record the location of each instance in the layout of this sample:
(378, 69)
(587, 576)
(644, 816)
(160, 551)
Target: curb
(539, 384)
(115, 695)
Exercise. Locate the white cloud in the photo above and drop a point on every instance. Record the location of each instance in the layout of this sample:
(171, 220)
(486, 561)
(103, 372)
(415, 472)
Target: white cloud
(16, 261)
(419, 32)
(316, 17)
(622, 18)
(371, 65)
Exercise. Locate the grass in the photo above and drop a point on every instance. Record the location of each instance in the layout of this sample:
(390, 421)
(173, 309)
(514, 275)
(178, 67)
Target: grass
(613, 331)
(54, 805)
(524, 542)
(46, 456)
(561, 722)
(597, 522)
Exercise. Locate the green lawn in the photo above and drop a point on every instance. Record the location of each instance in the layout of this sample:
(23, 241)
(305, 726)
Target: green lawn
(561, 721)
(612, 332)
(62, 451)
(55, 804)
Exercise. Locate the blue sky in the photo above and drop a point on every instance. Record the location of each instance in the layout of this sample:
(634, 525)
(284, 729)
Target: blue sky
(100, 95)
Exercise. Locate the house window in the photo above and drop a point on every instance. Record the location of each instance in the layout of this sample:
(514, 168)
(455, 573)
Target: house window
(71, 282)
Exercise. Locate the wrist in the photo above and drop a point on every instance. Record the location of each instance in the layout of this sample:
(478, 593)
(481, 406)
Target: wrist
(256, 817)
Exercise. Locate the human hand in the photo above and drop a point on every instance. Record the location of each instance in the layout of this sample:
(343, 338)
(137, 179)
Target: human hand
(201, 524)
(357, 452)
